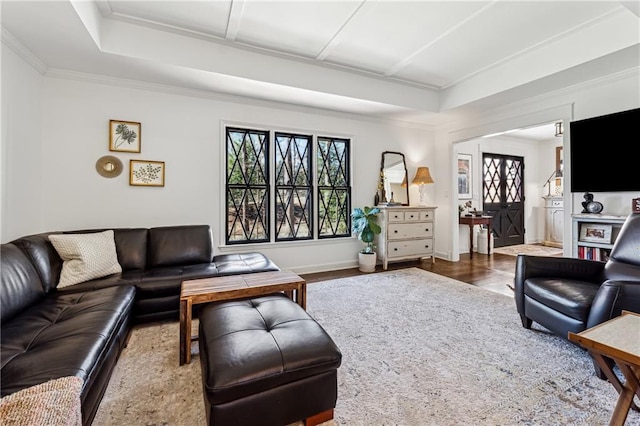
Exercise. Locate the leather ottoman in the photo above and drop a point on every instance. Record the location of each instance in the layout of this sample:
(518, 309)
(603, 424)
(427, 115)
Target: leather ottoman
(265, 361)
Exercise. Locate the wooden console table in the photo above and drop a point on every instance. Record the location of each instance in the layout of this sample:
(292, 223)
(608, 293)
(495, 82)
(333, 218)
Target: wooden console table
(618, 339)
(477, 220)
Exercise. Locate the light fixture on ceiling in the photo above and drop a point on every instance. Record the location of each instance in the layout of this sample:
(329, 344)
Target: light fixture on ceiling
(559, 129)
(422, 178)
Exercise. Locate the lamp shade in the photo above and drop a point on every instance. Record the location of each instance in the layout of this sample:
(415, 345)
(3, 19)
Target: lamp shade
(422, 176)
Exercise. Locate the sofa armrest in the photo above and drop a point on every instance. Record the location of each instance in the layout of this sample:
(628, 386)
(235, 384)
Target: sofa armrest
(612, 298)
(553, 267)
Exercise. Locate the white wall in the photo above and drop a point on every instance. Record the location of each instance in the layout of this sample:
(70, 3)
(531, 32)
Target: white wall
(21, 165)
(48, 160)
(187, 133)
(617, 93)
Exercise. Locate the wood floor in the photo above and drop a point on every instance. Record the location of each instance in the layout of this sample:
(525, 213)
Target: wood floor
(494, 272)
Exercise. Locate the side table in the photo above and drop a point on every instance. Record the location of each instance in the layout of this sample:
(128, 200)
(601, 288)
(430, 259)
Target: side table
(477, 220)
(618, 339)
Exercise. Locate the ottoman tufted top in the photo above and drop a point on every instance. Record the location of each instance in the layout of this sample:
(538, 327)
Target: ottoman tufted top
(252, 345)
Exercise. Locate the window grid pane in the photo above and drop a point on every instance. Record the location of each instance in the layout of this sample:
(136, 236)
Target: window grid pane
(334, 192)
(293, 187)
(247, 186)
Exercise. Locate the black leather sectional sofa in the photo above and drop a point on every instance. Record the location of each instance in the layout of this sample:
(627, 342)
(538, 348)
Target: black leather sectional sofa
(80, 330)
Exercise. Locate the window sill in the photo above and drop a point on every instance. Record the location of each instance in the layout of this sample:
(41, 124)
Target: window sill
(284, 244)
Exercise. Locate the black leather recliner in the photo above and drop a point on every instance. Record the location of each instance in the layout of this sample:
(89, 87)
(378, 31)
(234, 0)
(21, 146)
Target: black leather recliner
(570, 295)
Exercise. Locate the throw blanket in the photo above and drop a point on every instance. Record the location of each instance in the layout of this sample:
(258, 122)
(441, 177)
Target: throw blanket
(53, 403)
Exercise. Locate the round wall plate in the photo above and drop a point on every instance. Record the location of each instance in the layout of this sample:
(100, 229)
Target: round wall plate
(594, 207)
(109, 166)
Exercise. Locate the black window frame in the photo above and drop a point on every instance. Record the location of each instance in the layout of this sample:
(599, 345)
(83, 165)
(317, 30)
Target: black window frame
(346, 188)
(270, 205)
(294, 187)
(266, 186)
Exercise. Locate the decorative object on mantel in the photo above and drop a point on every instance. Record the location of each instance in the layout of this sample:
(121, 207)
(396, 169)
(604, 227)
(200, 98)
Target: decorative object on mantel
(466, 206)
(109, 166)
(590, 206)
(382, 198)
(393, 202)
(146, 173)
(635, 205)
(125, 136)
(422, 178)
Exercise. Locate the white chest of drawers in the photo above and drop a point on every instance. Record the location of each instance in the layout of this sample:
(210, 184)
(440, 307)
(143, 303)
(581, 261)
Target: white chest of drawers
(407, 233)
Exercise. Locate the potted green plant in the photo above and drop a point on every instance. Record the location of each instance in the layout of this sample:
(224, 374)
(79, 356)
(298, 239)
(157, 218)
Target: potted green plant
(364, 223)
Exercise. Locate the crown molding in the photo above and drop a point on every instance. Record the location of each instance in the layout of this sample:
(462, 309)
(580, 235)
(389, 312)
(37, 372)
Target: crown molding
(599, 81)
(225, 97)
(21, 50)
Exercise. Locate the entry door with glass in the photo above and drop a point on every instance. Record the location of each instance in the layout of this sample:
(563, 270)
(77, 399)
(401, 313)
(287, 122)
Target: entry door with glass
(503, 197)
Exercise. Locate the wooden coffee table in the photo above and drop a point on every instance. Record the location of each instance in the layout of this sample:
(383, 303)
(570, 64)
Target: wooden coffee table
(618, 339)
(232, 287)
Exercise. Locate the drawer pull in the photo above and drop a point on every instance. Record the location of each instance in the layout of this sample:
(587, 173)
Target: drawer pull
(426, 229)
(411, 216)
(427, 246)
(395, 249)
(395, 232)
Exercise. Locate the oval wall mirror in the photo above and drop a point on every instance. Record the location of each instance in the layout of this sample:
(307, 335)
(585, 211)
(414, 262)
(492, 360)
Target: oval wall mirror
(393, 172)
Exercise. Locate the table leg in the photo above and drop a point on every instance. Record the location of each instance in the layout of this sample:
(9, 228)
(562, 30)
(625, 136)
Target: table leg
(470, 241)
(185, 331)
(626, 390)
(301, 295)
(489, 239)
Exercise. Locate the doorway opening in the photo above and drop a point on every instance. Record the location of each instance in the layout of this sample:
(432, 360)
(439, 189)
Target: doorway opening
(497, 184)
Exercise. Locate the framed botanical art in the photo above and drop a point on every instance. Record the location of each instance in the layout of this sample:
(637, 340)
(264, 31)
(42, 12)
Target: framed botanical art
(146, 173)
(125, 136)
(465, 183)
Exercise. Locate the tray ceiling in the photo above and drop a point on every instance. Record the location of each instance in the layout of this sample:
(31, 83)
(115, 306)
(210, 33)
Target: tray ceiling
(408, 60)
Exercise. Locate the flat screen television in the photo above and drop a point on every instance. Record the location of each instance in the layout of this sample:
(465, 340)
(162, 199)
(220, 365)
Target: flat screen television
(603, 153)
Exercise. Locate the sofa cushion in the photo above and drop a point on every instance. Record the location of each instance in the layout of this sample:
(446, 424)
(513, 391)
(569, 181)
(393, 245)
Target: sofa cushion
(179, 245)
(131, 246)
(21, 285)
(572, 298)
(160, 282)
(62, 335)
(123, 278)
(44, 257)
(86, 256)
(243, 263)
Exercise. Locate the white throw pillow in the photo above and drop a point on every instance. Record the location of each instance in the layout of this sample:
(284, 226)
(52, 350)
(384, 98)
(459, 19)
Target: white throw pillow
(86, 256)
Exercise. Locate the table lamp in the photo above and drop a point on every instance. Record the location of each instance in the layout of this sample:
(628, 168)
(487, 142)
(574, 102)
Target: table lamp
(422, 178)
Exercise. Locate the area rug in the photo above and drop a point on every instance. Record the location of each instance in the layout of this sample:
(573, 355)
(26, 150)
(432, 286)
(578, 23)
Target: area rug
(530, 249)
(418, 349)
